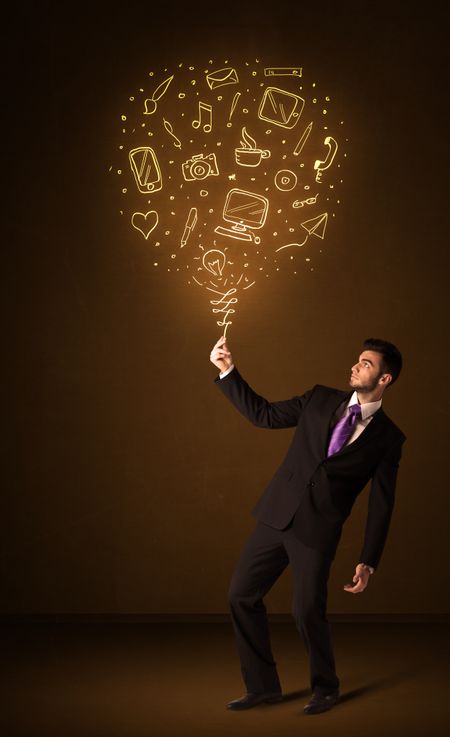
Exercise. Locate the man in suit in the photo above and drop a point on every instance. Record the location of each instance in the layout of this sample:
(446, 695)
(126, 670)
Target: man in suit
(343, 440)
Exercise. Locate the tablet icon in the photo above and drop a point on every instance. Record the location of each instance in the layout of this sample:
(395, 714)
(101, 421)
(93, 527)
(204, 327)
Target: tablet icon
(280, 107)
(145, 167)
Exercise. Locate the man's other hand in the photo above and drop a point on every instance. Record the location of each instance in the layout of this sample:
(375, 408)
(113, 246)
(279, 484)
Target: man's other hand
(220, 356)
(361, 579)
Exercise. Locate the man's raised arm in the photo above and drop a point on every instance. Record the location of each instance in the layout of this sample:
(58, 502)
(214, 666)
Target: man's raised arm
(259, 411)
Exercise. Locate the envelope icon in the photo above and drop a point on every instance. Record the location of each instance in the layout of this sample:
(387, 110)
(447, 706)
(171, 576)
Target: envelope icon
(222, 77)
(280, 107)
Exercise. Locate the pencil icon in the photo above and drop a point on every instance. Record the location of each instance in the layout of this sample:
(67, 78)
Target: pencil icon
(303, 139)
(190, 224)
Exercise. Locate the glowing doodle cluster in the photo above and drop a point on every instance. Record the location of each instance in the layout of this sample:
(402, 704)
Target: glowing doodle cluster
(227, 171)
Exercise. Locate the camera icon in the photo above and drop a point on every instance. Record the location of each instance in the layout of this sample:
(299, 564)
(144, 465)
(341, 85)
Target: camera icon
(200, 167)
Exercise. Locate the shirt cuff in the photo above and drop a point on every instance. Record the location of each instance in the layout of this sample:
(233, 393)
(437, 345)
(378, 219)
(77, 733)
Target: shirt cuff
(371, 570)
(225, 373)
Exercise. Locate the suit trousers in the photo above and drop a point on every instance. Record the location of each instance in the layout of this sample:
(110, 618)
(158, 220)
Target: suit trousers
(264, 557)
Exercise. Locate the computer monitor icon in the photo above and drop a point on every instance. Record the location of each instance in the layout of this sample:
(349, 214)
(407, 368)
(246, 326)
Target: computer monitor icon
(246, 211)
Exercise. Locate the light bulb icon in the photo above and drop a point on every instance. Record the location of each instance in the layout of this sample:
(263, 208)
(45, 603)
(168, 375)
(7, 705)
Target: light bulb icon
(214, 261)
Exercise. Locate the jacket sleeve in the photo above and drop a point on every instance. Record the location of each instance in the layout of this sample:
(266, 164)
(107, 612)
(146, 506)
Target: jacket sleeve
(259, 411)
(381, 505)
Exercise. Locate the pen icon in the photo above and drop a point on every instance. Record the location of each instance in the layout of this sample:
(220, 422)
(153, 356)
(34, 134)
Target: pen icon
(190, 225)
(303, 139)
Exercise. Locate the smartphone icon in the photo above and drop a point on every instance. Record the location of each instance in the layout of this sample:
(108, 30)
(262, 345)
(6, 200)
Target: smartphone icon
(146, 169)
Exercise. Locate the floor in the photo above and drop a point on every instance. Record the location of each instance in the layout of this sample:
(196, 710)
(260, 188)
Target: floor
(174, 679)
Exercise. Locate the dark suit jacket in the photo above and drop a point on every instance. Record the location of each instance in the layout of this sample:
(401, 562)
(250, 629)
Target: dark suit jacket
(314, 491)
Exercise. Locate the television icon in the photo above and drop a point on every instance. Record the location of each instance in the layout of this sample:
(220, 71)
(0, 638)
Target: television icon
(246, 211)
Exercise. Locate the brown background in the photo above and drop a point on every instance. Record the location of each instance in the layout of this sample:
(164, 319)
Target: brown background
(128, 479)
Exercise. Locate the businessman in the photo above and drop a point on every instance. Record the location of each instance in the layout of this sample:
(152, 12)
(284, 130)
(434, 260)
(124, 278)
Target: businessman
(342, 440)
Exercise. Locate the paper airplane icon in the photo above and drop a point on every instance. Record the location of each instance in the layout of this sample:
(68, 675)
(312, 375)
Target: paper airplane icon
(316, 226)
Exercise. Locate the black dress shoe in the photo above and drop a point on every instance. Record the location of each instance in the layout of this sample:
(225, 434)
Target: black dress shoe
(253, 699)
(321, 702)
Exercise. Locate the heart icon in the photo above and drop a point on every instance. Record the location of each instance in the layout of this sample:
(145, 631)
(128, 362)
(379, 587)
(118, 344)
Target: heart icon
(145, 222)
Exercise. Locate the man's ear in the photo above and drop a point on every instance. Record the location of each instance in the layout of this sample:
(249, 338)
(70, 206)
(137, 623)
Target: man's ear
(386, 379)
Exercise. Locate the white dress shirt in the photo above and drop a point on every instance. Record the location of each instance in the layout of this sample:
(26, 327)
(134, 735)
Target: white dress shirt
(367, 412)
(226, 372)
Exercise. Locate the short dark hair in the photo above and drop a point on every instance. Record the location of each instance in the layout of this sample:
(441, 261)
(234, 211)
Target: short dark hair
(391, 361)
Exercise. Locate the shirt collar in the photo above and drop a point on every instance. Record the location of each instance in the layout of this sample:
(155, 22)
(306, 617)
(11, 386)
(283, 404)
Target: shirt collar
(368, 409)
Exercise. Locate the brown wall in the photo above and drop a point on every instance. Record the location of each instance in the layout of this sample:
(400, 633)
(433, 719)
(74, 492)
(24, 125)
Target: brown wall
(129, 479)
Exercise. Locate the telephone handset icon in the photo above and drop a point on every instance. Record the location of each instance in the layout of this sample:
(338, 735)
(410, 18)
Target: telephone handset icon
(319, 165)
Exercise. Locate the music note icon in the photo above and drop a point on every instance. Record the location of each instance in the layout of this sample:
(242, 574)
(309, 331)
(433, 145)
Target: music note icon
(204, 117)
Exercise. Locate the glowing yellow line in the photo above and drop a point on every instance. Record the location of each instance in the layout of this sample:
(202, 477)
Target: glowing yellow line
(233, 104)
(272, 101)
(143, 163)
(293, 244)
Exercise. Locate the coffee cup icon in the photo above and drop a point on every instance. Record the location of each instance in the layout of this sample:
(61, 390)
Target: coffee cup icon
(250, 156)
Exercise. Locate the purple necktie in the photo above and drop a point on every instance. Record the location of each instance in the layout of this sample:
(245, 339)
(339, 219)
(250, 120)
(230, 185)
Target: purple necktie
(344, 429)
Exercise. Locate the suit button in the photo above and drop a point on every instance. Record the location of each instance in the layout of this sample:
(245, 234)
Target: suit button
(312, 483)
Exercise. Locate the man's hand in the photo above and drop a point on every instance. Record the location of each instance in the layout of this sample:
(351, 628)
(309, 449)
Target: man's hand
(220, 356)
(361, 579)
